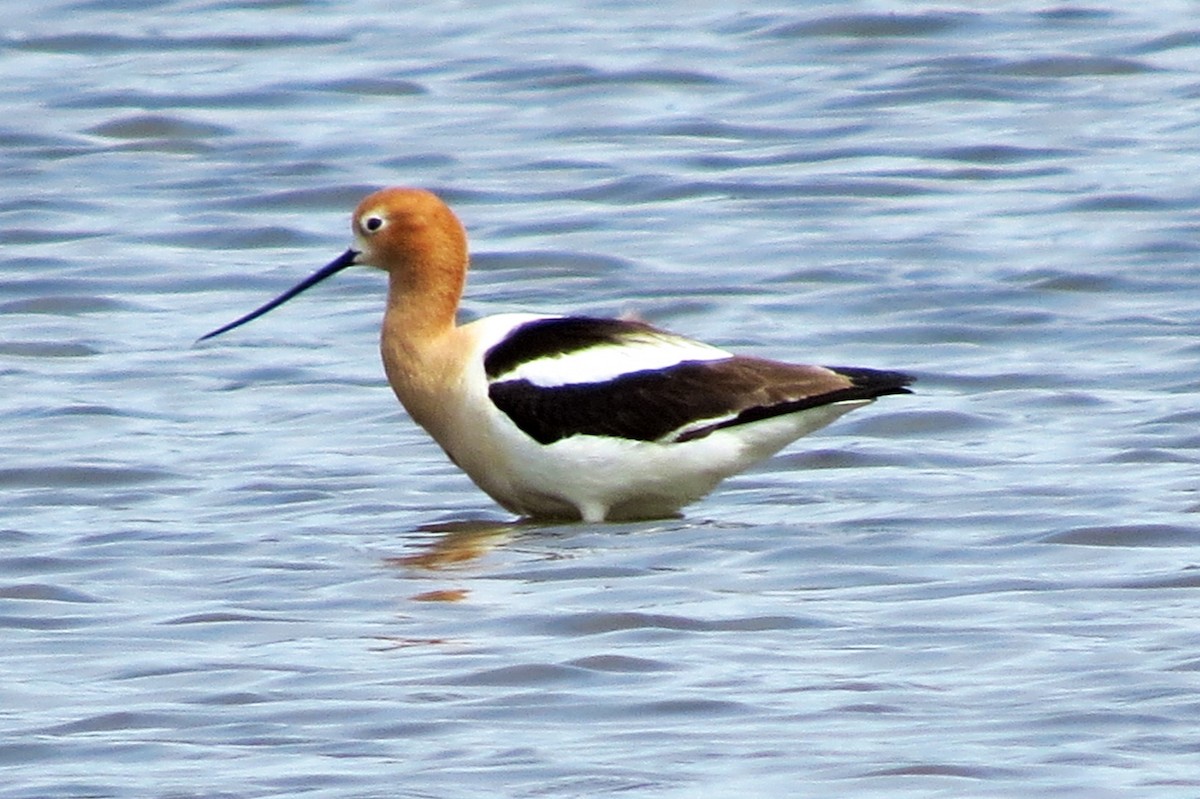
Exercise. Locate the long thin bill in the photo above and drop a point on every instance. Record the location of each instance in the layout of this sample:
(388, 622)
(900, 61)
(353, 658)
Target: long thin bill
(329, 270)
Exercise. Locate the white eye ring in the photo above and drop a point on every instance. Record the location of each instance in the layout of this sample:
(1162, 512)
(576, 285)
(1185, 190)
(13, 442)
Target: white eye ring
(372, 223)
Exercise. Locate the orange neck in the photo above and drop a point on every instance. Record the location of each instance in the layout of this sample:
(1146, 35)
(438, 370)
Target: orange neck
(426, 282)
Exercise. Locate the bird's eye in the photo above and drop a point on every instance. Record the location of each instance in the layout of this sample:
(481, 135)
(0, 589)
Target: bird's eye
(372, 223)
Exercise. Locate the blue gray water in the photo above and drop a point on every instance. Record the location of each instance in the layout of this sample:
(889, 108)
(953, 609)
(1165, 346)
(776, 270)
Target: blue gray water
(238, 570)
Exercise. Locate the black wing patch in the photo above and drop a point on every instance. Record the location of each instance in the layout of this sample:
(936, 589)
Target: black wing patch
(649, 405)
(548, 338)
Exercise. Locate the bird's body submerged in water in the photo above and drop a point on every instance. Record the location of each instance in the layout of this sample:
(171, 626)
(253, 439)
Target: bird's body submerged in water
(573, 417)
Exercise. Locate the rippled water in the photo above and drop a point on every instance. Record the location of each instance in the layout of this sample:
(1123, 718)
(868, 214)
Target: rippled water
(238, 570)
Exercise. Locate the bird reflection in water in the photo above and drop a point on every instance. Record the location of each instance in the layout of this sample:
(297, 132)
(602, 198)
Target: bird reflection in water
(457, 543)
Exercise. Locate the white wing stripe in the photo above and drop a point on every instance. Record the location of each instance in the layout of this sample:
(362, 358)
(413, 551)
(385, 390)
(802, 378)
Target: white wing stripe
(606, 362)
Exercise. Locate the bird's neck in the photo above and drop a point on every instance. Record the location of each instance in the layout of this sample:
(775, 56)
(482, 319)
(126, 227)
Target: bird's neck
(418, 343)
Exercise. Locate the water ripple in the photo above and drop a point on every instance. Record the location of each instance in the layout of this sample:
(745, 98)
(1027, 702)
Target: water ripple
(109, 43)
(872, 26)
(239, 570)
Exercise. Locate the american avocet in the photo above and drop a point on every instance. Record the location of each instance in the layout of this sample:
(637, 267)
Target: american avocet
(566, 416)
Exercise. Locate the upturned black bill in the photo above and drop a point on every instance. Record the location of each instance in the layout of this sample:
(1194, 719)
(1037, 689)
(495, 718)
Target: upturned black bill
(329, 270)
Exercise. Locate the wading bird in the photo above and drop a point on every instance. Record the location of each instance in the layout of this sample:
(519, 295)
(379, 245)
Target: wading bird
(568, 416)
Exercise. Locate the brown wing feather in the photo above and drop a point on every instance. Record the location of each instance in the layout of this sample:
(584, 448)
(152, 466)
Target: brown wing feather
(652, 405)
(772, 388)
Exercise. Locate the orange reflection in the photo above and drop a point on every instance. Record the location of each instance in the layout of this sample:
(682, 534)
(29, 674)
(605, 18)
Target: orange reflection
(457, 543)
(442, 595)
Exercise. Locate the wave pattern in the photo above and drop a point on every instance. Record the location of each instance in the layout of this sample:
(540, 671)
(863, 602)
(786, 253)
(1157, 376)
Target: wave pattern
(240, 571)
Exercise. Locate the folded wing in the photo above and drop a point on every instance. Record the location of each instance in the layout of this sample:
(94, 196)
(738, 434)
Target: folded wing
(560, 377)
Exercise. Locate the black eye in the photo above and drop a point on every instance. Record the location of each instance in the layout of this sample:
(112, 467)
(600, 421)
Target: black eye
(373, 223)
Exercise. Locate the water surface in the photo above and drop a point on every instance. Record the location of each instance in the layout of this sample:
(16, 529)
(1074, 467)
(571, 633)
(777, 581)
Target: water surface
(239, 570)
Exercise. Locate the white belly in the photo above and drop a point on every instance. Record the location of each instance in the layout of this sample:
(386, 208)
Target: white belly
(596, 478)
